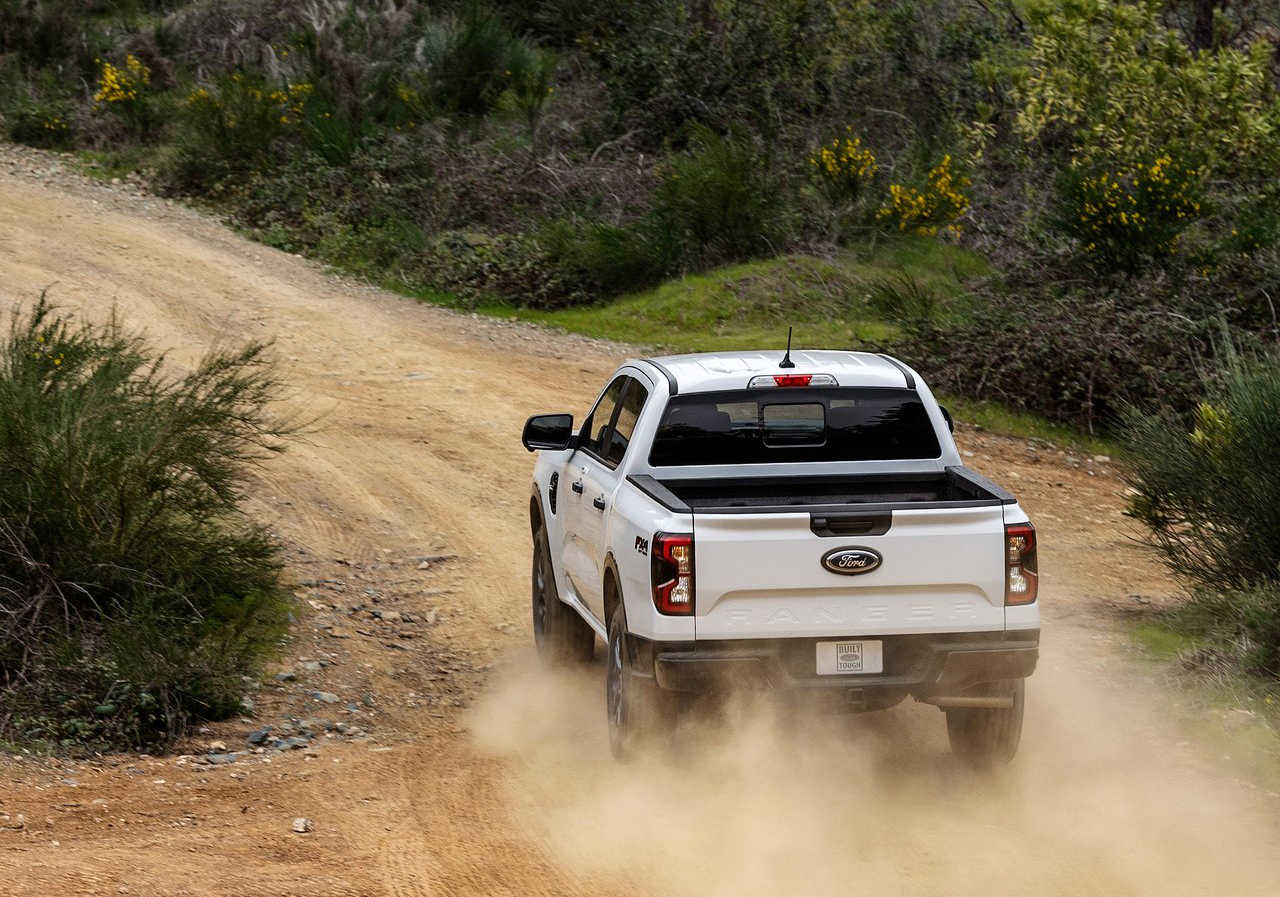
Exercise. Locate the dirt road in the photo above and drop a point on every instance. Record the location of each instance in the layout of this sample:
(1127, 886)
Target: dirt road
(485, 776)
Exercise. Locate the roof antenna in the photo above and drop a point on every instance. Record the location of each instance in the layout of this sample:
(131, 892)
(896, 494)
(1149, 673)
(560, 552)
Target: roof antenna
(786, 359)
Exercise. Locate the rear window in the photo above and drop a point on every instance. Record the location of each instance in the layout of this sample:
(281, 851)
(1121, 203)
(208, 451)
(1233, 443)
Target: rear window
(770, 426)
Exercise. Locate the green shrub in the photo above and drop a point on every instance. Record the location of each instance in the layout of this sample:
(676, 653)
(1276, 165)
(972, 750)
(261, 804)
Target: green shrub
(1127, 120)
(506, 268)
(1210, 492)
(1109, 83)
(53, 34)
(136, 595)
(531, 79)
(720, 201)
(233, 127)
(603, 260)
(370, 249)
(668, 63)
(1074, 355)
(475, 66)
(1232, 629)
(528, 270)
(564, 263)
(39, 117)
(1124, 218)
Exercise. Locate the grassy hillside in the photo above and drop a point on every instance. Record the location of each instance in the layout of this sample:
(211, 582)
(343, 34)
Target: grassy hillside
(834, 303)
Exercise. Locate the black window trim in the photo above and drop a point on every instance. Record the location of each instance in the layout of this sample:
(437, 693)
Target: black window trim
(910, 388)
(585, 433)
(617, 412)
(607, 435)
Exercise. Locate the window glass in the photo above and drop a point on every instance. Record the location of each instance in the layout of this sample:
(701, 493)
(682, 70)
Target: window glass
(766, 426)
(793, 424)
(632, 403)
(598, 420)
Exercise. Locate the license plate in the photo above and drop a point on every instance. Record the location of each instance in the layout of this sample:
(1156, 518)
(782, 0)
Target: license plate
(842, 658)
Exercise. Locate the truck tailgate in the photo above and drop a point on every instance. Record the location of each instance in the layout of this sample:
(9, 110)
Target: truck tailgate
(762, 575)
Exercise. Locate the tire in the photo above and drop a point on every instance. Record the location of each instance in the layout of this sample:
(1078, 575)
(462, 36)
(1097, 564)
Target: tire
(640, 714)
(982, 737)
(562, 637)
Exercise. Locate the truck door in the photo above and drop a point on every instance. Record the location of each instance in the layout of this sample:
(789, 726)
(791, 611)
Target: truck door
(581, 516)
(599, 471)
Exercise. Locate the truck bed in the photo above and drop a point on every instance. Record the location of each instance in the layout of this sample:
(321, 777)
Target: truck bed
(954, 487)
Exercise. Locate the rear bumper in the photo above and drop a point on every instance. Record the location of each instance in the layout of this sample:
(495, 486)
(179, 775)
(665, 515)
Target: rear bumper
(920, 665)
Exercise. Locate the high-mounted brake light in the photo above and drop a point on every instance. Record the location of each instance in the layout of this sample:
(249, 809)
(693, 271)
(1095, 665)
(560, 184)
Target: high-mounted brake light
(770, 381)
(1021, 580)
(671, 568)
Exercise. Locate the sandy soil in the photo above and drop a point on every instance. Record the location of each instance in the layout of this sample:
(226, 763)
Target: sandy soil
(483, 775)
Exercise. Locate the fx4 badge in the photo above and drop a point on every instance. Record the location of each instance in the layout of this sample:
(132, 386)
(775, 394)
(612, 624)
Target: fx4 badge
(642, 545)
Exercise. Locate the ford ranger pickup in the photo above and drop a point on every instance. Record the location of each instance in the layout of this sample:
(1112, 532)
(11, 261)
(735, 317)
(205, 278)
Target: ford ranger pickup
(805, 524)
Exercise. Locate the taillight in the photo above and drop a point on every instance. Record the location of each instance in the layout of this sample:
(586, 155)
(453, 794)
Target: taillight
(671, 566)
(1021, 579)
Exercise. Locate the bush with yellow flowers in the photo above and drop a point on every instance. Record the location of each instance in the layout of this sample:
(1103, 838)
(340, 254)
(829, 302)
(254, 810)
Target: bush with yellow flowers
(122, 84)
(1123, 215)
(233, 124)
(123, 92)
(844, 169)
(926, 211)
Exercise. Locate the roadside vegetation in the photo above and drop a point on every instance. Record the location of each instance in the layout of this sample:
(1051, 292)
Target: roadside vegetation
(134, 594)
(1107, 164)
(1058, 211)
(1210, 496)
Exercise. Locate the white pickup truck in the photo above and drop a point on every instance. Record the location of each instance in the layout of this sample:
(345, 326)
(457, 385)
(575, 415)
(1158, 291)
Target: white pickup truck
(804, 523)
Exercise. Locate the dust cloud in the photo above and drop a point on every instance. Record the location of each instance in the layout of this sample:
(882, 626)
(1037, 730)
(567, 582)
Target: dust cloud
(1103, 798)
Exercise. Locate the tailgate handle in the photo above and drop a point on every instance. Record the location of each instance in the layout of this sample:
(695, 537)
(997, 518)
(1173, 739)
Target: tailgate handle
(850, 524)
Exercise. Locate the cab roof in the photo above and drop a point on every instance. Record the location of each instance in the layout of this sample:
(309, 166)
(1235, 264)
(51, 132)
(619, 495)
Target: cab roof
(715, 371)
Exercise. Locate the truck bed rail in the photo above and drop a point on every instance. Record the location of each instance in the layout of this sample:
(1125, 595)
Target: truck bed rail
(955, 487)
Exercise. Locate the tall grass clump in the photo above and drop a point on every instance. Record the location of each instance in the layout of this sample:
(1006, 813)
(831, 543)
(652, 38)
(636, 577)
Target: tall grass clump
(135, 594)
(1210, 495)
(476, 63)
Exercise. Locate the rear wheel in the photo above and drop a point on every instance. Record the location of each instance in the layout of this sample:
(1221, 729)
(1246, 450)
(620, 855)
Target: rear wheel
(985, 737)
(639, 712)
(561, 636)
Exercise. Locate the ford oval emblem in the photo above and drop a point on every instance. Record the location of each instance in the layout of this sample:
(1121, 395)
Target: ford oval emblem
(851, 561)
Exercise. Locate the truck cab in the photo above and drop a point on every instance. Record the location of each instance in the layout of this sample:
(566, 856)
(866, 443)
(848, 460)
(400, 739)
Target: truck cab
(801, 524)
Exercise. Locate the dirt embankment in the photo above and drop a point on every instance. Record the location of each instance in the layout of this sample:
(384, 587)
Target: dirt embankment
(459, 767)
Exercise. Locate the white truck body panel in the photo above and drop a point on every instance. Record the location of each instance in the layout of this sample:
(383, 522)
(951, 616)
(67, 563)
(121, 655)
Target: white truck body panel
(760, 575)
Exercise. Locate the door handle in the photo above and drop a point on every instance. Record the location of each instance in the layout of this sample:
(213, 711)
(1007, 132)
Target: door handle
(598, 502)
(577, 487)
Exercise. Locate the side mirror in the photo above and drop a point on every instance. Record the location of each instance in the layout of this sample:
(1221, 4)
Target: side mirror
(946, 415)
(553, 432)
